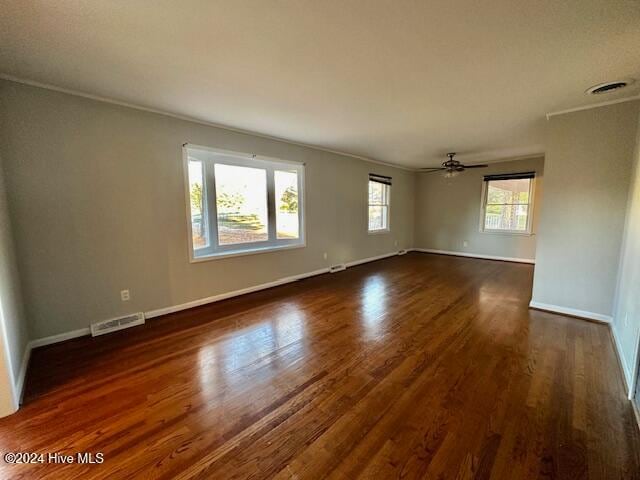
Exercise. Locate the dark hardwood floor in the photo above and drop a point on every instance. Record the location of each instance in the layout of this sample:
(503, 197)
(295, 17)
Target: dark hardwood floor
(421, 366)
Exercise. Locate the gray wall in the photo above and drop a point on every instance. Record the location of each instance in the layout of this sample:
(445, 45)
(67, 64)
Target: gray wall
(448, 212)
(587, 171)
(97, 201)
(13, 327)
(626, 320)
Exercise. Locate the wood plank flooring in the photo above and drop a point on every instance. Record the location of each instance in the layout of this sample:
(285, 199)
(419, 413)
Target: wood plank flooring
(421, 366)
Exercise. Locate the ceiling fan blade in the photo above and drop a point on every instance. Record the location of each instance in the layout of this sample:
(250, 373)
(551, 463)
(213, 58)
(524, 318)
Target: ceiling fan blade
(475, 166)
(429, 170)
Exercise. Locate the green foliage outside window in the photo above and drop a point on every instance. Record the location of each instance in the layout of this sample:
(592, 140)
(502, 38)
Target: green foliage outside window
(289, 200)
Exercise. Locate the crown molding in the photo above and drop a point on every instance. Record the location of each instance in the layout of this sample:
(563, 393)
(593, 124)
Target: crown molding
(593, 105)
(186, 118)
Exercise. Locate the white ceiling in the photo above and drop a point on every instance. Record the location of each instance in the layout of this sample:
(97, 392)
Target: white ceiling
(397, 81)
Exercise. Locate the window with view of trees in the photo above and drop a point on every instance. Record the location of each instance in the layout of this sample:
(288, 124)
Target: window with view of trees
(239, 203)
(378, 213)
(507, 203)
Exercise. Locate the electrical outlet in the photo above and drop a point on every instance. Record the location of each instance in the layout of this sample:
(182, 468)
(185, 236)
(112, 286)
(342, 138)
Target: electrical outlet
(465, 244)
(124, 295)
(324, 255)
(395, 243)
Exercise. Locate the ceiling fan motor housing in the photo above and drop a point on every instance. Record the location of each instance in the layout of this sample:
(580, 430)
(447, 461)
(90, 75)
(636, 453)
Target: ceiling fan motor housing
(454, 166)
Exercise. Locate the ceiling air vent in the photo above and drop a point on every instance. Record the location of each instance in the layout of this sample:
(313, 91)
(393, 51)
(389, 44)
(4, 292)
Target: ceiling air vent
(608, 87)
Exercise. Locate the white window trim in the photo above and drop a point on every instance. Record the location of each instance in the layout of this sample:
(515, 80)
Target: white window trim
(483, 208)
(379, 231)
(247, 159)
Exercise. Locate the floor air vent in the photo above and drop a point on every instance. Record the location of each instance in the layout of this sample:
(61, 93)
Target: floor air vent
(115, 324)
(337, 268)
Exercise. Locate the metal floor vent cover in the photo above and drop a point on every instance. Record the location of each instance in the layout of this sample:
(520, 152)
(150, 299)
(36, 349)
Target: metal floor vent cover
(115, 324)
(337, 268)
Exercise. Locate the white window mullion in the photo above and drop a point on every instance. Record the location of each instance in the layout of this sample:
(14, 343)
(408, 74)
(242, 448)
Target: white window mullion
(211, 208)
(271, 205)
(301, 200)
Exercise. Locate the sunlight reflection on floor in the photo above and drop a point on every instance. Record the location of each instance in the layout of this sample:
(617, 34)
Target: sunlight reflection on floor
(283, 333)
(373, 306)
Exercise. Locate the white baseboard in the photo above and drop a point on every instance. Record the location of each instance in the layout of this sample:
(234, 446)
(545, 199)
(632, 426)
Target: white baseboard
(61, 337)
(475, 255)
(636, 412)
(203, 301)
(571, 311)
(627, 372)
(635, 374)
(41, 342)
(19, 387)
(370, 259)
(235, 293)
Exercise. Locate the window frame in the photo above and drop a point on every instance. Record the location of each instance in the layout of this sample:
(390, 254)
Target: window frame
(530, 205)
(387, 229)
(240, 159)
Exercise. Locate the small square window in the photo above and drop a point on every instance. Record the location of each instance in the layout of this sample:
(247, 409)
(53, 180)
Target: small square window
(507, 203)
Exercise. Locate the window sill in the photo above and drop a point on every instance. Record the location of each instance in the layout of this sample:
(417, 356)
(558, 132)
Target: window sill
(379, 232)
(239, 253)
(508, 232)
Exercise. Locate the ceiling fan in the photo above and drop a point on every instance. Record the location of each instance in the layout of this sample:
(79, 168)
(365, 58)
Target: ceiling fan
(451, 167)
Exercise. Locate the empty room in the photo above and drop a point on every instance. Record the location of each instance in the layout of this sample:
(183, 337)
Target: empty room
(295, 239)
